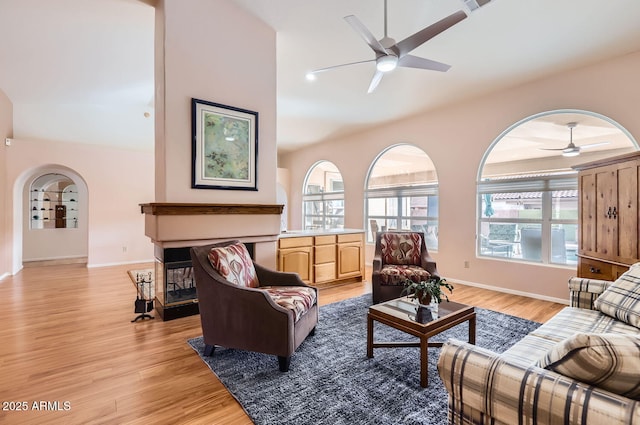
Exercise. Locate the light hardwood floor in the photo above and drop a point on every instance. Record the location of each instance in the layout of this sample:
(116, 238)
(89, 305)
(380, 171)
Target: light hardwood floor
(66, 336)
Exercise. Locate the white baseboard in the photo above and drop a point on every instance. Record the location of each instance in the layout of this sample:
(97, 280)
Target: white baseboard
(4, 275)
(510, 291)
(120, 263)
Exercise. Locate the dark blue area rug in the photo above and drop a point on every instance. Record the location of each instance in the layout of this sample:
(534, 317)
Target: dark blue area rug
(331, 381)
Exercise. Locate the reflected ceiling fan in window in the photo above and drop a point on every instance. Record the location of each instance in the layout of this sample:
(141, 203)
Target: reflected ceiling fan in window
(571, 149)
(390, 54)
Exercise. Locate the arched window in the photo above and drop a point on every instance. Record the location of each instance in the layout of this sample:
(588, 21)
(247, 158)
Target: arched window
(402, 193)
(323, 197)
(528, 190)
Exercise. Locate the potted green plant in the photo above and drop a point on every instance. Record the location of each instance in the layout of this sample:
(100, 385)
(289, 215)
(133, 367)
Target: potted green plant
(427, 290)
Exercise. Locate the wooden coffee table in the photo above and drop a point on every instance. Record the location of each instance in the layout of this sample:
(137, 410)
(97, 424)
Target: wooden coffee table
(401, 313)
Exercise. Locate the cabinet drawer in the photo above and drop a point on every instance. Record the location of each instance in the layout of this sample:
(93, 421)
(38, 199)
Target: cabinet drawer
(324, 272)
(325, 240)
(325, 254)
(296, 242)
(354, 237)
(594, 269)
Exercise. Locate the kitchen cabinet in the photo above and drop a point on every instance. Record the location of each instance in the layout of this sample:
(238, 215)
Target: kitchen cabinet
(323, 258)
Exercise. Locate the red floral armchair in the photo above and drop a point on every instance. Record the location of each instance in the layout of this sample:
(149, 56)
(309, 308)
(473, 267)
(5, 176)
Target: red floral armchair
(399, 256)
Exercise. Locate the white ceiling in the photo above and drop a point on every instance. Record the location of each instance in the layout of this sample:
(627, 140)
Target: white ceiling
(82, 70)
(79, 70)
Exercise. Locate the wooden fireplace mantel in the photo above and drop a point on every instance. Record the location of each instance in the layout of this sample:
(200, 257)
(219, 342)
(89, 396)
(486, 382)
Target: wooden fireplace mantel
(172, 208)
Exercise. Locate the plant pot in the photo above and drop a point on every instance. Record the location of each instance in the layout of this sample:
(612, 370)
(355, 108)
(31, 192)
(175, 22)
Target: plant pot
(423, 299)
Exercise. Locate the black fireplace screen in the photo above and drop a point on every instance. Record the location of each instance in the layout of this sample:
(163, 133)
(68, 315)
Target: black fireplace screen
(179, 283)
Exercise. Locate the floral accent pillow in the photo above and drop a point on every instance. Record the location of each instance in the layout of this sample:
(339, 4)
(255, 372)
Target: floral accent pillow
(401, 248)
(234, 263)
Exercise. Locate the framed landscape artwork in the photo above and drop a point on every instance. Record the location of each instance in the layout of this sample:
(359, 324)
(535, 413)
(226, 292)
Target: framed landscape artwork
(225, 147)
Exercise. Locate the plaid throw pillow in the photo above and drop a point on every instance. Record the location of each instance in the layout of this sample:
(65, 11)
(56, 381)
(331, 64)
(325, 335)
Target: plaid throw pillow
(621, 300)
(607, 361)
(234, 263)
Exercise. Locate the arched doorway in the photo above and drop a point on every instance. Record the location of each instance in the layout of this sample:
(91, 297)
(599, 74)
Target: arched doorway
(54, 215)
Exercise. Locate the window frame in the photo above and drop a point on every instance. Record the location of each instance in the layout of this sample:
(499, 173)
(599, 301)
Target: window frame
(400, 194)
(546, 184)
(323, 218)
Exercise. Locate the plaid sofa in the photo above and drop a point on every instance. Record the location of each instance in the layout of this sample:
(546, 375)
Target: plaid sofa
(509, 388)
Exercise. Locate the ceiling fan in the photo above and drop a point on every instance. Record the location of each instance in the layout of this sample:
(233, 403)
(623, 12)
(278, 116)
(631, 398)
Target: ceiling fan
(571, 149)
(390, 54)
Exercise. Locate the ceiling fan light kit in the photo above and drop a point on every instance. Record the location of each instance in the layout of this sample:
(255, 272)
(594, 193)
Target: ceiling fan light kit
(386, 63)
(390, 54)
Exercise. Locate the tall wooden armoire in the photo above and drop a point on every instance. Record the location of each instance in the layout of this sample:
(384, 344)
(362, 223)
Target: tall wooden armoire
(609, 225)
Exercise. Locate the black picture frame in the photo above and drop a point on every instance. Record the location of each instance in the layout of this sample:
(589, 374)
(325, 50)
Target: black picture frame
(224, 147)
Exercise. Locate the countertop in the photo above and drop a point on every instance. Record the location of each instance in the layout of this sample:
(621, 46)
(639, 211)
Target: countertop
(317, 232)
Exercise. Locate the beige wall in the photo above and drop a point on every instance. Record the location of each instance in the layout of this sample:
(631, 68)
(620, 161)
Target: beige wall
(210, 50)
(217, 52)
(456, 138)
(6, 130)
(117, 181)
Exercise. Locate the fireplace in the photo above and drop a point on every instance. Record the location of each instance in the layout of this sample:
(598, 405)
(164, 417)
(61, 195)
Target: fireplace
(175, 228)
(176, 294)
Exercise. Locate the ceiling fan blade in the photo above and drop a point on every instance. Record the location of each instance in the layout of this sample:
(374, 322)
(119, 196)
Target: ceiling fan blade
(552, 149)
(410, 61)
(408, 44)
(593, 145)
(365, 34)
(329, 68)
(377, 77)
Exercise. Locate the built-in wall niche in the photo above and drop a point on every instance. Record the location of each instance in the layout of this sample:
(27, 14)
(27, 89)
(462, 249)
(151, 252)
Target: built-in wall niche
(53, 201)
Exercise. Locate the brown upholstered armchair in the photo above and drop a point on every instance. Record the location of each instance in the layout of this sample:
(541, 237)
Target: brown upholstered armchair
(399, 255)
(248, 307)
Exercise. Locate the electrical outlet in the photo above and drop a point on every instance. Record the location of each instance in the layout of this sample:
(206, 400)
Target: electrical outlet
(466, 264)
(124, 249)
(7, 142)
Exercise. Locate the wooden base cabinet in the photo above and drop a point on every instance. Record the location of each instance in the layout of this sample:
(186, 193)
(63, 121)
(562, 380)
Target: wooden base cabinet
(324, 263)
(296, 255)
(609, 223)
(350, 256)
(323, 259)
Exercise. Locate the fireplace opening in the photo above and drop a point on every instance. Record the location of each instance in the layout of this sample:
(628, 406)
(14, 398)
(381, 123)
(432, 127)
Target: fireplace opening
(176, 294)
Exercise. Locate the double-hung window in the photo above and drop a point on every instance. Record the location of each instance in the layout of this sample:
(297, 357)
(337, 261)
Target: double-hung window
(323, 197)
(405, 208)
(529, 217)
(402, 194)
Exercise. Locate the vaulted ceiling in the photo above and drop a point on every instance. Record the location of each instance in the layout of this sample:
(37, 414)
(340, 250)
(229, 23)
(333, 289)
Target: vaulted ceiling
(82, 70)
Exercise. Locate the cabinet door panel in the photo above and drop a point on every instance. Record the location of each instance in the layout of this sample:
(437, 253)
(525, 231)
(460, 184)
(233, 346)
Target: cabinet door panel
(588, 214)
(350, 259)
(627, 213)
(297, 260)
(607, 229)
